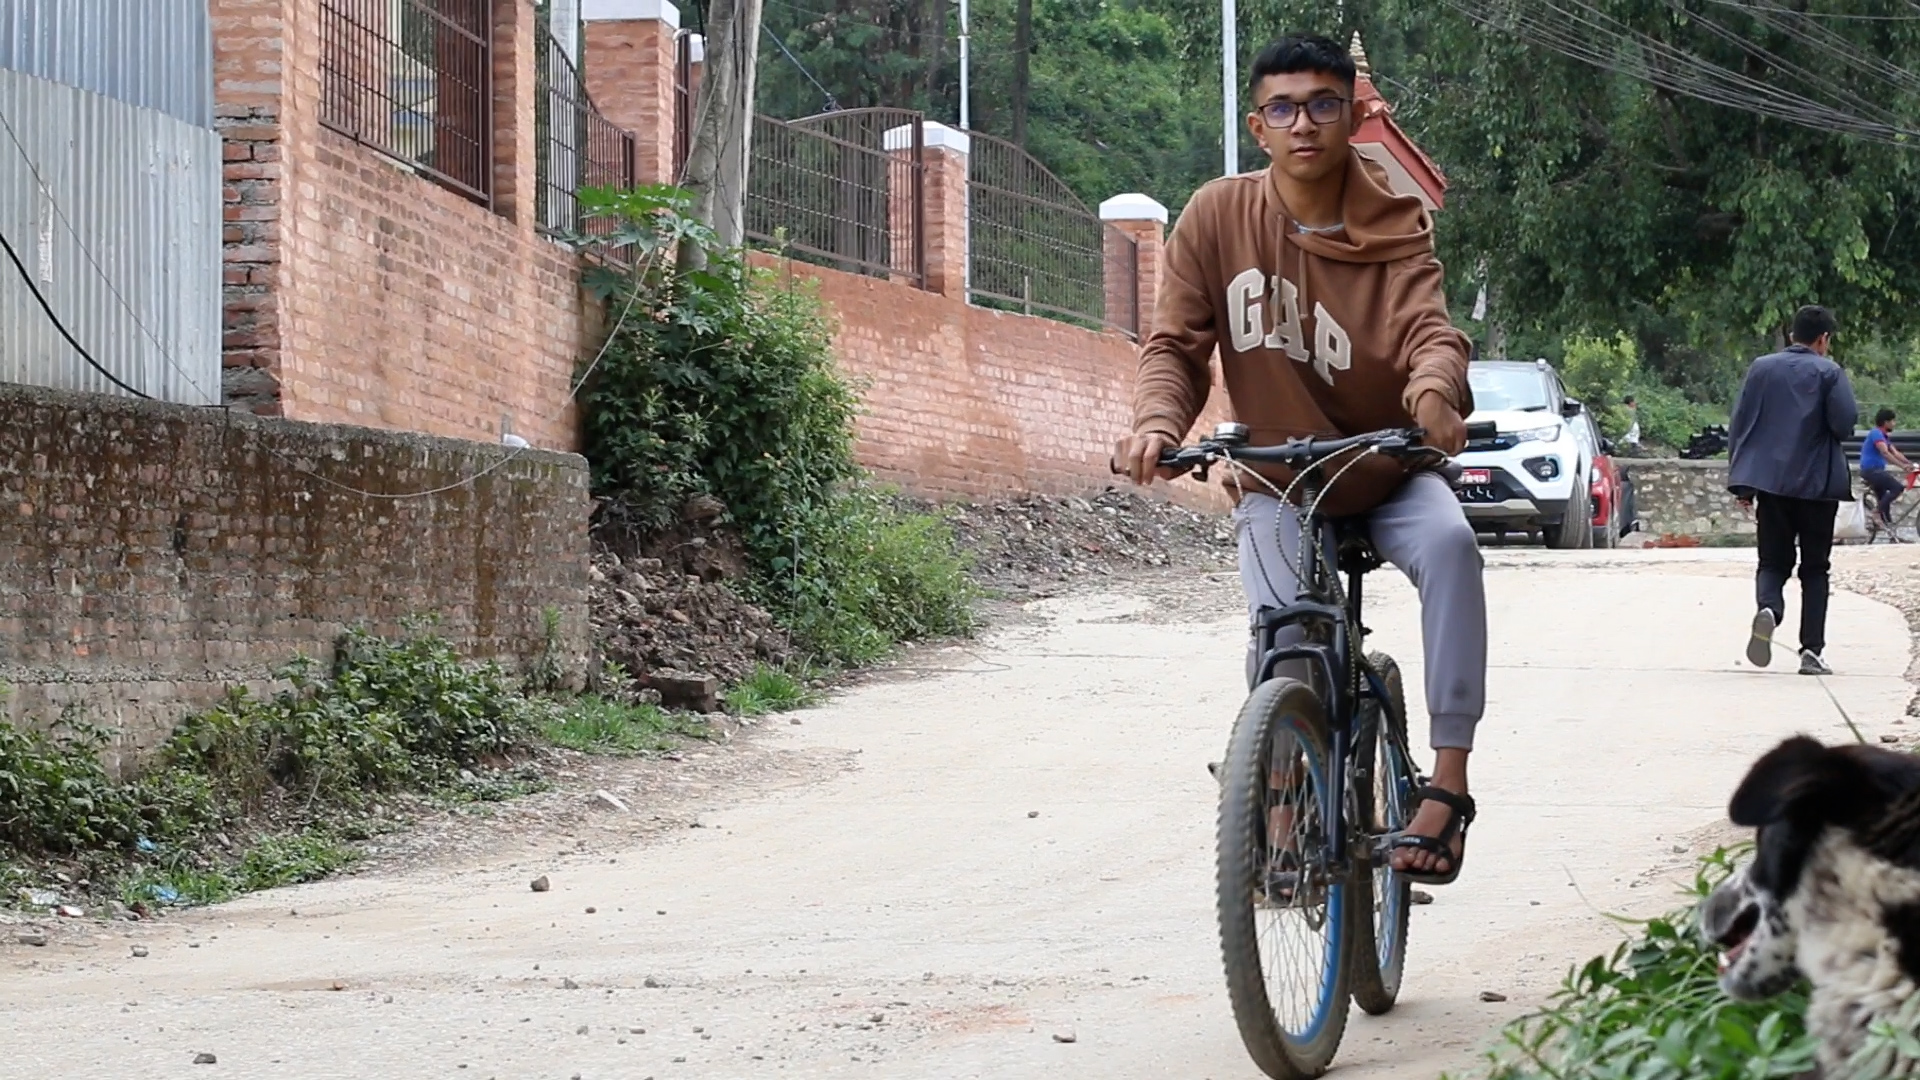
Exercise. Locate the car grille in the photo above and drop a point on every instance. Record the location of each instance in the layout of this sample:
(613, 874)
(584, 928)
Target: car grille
(1500, 487)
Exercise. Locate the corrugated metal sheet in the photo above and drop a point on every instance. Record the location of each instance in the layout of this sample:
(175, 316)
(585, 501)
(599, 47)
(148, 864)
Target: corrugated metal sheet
(153, 53)
(121, 233)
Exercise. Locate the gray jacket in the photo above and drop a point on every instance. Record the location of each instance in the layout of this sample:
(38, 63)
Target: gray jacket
(1784, 439)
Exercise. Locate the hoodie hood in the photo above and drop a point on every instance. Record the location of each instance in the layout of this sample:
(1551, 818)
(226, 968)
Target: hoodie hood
(1380, 226)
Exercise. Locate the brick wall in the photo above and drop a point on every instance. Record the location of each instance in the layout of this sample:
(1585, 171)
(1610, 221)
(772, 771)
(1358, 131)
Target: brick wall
(359, 292)
(159, 553)
(960, 401)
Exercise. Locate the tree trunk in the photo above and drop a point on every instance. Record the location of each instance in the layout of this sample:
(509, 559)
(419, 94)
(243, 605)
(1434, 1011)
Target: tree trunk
(1022, 82)
(723, 125)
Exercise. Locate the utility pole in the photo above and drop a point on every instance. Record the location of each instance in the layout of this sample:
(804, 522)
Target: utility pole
(1229, 86)
(966, 112)
(723, 125)
(1022, 69)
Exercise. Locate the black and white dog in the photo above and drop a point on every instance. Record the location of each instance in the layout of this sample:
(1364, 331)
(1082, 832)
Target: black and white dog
(1832, 893)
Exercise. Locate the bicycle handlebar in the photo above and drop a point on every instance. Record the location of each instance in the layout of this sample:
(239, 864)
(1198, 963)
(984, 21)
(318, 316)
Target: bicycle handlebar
(1229, 441)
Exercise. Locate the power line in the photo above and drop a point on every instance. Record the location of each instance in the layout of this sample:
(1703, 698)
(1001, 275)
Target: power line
(27, 277)
(830, 105)
(1621, 49)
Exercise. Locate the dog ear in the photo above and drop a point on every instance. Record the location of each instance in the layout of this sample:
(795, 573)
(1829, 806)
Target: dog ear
(1798, 779)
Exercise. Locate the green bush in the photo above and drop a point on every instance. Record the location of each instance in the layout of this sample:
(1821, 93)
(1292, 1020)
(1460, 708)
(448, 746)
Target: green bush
(395, 713)
(1604, 372)
(718, 382)
(1654, 1010)
(722, 382)
(870, 573)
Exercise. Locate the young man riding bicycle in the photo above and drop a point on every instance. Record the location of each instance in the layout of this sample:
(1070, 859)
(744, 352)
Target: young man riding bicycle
(1320, 289)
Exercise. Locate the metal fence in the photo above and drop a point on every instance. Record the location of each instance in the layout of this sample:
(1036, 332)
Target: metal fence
(115, 210)
(1035, 247)
(413, 79)
(842, 190)
(579, 148)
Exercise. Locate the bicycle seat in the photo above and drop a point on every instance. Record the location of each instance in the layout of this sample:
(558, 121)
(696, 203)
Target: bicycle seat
(1353, 546)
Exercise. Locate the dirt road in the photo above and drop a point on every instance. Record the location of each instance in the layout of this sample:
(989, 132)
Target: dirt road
(910, 916)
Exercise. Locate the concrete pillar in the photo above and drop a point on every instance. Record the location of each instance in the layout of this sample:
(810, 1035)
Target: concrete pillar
(1144, 221)
(945, 152)
(629, 63)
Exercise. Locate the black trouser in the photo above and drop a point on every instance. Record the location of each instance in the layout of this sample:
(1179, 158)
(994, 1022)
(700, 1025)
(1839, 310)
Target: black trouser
(1887, 486)
(1783, 524)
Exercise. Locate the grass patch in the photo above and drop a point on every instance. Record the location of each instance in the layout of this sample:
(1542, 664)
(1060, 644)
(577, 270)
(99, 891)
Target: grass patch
(1654, 1010)
(184, 878)
(769, 690)
(599, 725)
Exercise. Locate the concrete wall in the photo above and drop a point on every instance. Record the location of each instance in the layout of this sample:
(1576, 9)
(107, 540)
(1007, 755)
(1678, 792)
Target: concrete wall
(1690, 498)
(157, 553)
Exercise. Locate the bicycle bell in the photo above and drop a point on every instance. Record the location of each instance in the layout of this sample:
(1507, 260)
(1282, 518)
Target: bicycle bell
(1231, 434)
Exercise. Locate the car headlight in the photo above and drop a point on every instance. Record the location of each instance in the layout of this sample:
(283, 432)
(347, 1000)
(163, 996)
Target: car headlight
(1550, 433)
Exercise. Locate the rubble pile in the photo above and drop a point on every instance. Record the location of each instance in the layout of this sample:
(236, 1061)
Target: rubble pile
(1036, 541)
(654, 621)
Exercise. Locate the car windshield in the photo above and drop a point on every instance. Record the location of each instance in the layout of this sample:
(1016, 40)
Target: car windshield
(1507, 389)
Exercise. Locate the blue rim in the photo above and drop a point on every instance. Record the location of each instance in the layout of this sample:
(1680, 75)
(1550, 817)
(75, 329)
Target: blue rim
(1336, 925)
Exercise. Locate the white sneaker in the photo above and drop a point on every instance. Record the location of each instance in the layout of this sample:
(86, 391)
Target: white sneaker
(1760, 646)
(1812, 664)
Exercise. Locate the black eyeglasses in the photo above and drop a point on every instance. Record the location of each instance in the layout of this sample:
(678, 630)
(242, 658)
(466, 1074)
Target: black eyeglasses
(1320, 110)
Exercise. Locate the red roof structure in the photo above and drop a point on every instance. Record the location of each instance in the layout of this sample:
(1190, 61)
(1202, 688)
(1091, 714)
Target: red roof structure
(1380, 140)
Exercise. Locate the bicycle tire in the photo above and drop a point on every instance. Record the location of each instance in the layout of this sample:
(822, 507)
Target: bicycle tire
(1278, 708)
(1382, 900)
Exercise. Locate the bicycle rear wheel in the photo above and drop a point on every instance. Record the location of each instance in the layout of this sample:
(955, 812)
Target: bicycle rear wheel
(1284, 933)
(1383, 900)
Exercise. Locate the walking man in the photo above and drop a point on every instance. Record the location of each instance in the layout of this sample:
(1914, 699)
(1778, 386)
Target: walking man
(1788, 469)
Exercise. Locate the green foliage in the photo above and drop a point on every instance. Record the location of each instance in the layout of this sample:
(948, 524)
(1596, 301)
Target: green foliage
(396, 713)
(548, 670)
(56, 797)
(769, 690)
(1667, 417)
(871, 573)
(1599, 372)
(598, 725)
(1654, 1010)
(721, 382)
(274, 860)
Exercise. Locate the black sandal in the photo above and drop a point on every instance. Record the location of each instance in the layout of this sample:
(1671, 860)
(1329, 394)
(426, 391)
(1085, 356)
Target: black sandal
(1442, 845)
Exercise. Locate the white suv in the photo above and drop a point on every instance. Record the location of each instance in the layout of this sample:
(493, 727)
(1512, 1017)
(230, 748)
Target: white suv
(1533, 476)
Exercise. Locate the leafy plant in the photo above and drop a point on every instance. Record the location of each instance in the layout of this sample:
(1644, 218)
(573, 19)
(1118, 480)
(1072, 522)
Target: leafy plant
(597, 725)
(721, 382)
(1654, 1010)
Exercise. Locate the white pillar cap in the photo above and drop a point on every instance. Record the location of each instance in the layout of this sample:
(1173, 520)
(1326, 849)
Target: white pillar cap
(1133, 207)
(624, 10)
(937, 137)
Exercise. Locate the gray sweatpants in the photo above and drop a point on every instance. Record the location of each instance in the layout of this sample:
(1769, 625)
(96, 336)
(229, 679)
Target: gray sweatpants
(1421, 530)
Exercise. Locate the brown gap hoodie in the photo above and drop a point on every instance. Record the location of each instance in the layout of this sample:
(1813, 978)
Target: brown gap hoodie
(1321, 334)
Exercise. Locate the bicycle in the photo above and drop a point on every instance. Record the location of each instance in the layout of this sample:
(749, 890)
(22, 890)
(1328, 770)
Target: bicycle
(1302, 759)
(1903, 518)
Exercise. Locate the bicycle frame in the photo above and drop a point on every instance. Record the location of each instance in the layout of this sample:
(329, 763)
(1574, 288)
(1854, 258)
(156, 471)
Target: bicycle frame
(1332, 635)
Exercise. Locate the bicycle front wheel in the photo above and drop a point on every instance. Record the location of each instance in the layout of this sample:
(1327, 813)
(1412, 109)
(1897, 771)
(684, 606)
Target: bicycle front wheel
(1284, 933)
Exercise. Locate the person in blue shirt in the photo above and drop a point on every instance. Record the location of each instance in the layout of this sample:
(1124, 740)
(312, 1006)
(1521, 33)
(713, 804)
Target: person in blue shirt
(1786, 464)
(1877, 456)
